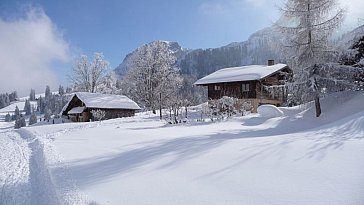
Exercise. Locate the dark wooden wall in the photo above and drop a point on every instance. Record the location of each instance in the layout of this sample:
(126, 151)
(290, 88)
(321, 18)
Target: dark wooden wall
(234, 89)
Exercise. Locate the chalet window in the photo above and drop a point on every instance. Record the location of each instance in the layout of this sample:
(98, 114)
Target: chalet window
(217, 87)
(245, 87)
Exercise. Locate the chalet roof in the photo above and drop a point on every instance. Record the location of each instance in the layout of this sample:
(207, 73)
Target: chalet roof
(244, 73)
(76, 110)
(103, 101)
(107, 101)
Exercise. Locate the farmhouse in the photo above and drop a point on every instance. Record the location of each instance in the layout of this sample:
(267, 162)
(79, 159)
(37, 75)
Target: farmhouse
(79, 107)
(252, 84)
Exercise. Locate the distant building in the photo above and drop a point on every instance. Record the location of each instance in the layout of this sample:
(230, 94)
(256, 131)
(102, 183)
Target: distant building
(249, 83)
(79, 107)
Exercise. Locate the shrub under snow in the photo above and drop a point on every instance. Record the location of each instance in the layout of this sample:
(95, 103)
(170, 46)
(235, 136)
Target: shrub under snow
(269, 111)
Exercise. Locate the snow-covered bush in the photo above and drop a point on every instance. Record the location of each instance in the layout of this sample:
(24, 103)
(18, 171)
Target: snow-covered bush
(226, 107)
(98, 114)
(269, 111)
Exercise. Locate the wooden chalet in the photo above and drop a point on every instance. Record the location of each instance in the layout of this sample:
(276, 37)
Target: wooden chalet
(79, 107)
(249, 83)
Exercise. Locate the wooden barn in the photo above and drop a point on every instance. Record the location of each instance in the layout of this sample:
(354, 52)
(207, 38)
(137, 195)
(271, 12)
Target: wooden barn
(79, 107)
(249, 83)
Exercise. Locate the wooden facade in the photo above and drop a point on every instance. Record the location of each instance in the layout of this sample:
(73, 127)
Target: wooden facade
(86, 115)
(253, 91)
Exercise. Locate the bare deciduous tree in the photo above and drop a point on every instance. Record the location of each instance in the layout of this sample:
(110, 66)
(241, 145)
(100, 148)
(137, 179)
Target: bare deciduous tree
(88, 76)
(152, 74)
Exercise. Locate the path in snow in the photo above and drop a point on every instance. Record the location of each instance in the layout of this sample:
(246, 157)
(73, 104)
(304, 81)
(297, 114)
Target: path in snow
(14, 169)
(24, 176)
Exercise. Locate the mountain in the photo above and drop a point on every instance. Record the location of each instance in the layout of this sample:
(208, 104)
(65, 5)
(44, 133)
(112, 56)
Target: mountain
(260, 47)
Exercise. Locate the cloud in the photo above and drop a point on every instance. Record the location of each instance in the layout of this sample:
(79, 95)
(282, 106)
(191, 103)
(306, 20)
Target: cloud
(28, 47)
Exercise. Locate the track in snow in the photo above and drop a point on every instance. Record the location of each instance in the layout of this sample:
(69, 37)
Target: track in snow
(24, 176)
(14, 169)
(41, 186)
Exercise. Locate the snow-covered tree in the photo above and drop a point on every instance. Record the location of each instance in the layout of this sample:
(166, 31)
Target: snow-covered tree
(27, 108)
(13, 96)
(16, 113)
(47, 92)
(32, 95)
(110, 84)
(20, 123)
(354, 58)
(98, 114)
(61, 90)
(308, 25)
(47, 113)
(151, 75)
(32, 119)
(88, 76)
(7, 118)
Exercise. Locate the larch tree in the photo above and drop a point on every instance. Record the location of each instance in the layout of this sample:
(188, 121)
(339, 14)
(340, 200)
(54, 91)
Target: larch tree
(89, 75)
(152, 79)
(308, 26)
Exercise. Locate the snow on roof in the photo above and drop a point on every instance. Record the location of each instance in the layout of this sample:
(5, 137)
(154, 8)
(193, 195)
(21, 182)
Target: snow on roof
(244, 73)
(76, 110)
(107, 101)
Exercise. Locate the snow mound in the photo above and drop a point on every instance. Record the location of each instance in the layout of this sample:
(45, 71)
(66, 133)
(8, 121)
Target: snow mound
(269, 111)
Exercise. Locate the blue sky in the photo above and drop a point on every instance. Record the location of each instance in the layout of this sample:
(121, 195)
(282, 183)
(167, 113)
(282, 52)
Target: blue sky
(116, 27)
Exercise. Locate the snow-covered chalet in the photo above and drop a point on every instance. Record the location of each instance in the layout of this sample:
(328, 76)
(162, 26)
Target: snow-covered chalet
(249, 83)
(79, 107)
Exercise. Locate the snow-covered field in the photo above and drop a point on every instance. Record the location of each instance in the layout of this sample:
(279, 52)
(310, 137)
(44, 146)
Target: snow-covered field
(294, 158)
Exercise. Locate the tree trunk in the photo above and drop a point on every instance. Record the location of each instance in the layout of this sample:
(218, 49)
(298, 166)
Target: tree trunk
(160, 106)
(318, 106)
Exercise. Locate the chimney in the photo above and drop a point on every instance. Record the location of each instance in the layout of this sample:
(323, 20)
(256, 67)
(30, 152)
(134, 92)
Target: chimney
(270, 62)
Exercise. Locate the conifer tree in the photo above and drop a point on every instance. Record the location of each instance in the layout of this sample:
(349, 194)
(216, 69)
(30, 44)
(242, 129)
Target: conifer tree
(7, 118)
(47, 92)
(61, 90)
(32, 95)
(27, 108)
(32, 119)
(16, 113)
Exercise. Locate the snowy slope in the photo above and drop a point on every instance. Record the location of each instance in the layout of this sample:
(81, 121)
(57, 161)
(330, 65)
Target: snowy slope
(292, 159)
